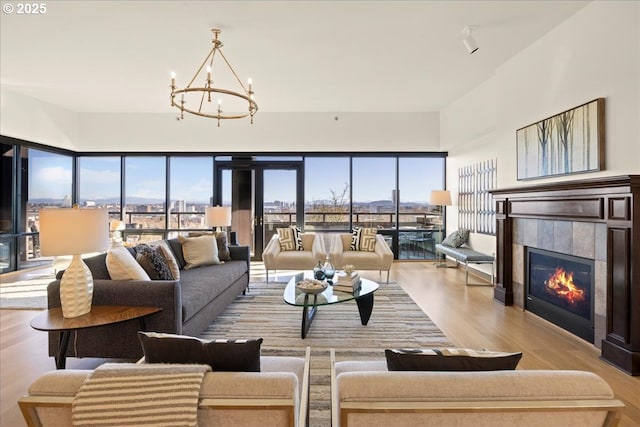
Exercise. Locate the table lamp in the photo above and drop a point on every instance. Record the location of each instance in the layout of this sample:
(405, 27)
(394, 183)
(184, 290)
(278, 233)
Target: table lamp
(73, 231)
(440, 198)
(116, 228)
(218, 216)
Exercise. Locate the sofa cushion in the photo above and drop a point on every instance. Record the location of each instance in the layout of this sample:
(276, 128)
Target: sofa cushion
(307, 241)
(290, 238)
(450, 359)
(153, 262)
(123, 266)
(457, 238)
(221, 355)
(202, 285)
(199, 251)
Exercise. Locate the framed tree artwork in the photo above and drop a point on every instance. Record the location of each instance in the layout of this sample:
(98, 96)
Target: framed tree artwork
(567, 143)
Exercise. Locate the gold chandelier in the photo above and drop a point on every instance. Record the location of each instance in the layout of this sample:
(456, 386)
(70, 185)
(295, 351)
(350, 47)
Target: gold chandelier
(201, 96)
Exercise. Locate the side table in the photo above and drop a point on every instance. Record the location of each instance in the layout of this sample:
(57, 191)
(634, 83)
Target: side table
(52, 321)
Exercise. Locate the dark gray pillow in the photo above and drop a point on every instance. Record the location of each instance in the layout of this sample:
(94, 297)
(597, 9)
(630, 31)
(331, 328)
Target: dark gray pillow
(450, 359)
(221, 355)
(223, 246)
(457, 238)
(153, 262)
(97, 265)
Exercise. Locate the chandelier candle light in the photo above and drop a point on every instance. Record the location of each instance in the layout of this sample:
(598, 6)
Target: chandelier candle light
(73, 231)
(244, 94)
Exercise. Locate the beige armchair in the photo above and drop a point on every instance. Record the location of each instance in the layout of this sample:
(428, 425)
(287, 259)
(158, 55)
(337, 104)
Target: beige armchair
(278, 395)
(276, 259)
(380, 259)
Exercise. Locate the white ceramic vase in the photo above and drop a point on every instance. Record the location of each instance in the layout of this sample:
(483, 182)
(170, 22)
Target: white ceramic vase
(76, 289)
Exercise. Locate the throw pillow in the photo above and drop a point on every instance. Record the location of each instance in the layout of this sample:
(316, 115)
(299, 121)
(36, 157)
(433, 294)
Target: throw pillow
(221, 355)
(152, 261)
(457, 238)
(199, 251)
(123, 266)
(368, 239)
(290, 238)
(223, 247)
(363, 239)
(163, 247)
(450, 359)
(221, 240)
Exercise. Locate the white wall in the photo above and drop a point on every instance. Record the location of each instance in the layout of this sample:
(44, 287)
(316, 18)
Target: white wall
(26, 118)
(284, 132)
(595, 53)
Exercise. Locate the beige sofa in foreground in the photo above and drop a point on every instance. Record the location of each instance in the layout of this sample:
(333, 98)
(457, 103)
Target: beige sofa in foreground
(276, 396)
(276, 259)
(365, 393)
(380, 259)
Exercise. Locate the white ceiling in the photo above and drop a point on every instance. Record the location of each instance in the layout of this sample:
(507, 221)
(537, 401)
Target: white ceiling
(303, 56)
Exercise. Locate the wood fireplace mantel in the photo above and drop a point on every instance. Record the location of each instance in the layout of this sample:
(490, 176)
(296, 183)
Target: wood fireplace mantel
(614, 201)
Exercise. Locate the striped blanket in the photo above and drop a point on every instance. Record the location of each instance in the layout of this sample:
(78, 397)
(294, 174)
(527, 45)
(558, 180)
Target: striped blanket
(128, 394)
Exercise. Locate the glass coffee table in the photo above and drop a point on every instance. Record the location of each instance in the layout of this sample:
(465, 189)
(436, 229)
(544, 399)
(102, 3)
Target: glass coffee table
(311, 302)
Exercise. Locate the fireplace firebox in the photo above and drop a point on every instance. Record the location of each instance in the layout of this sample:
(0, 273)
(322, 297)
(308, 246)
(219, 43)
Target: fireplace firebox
(560, 290)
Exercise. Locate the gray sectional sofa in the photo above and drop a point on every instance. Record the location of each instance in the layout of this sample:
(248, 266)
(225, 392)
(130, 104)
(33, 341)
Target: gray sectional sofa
(188, 305)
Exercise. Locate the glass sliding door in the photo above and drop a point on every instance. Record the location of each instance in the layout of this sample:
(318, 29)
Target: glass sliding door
(417, 232)
(262, 197)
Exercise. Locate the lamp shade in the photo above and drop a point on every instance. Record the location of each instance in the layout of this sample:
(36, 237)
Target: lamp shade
(71, 231)
(116, 225)
(218, 216)
(440, 198)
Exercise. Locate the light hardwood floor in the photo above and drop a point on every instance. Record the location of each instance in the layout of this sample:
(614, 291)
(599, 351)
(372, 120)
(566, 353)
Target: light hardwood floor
(467, 315)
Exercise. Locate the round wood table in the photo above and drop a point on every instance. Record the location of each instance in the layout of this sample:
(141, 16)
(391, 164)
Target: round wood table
(52, 320)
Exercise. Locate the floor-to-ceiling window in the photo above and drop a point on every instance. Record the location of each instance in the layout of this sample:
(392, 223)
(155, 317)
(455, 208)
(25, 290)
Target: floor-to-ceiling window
(161, 195)
(327, 193)
(190, 191)
(145, 198)
(99, 183)
(417, 219)
(49, 184)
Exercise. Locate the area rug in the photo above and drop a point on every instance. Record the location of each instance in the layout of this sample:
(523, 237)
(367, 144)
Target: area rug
(27, 294)
(396, 322)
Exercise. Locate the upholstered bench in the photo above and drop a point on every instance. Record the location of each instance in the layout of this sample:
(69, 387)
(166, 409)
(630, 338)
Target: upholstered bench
(466, 255)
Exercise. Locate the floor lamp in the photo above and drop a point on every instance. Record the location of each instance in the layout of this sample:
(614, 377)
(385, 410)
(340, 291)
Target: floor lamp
(440, 198)
(74, 232)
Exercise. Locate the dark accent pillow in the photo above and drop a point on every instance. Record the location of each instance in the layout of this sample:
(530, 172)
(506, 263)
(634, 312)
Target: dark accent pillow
(450, 359)
(176, 246)
(153, 262)
(221, 355)
(223, 247)
(457, 238)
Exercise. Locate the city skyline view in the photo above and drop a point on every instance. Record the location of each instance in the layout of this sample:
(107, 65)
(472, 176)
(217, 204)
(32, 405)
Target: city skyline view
(50, 177)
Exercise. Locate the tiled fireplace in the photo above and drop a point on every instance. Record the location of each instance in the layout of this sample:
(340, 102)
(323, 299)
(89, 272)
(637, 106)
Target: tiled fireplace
(592, 227)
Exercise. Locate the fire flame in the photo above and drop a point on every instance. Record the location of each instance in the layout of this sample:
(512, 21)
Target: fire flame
(561, 284)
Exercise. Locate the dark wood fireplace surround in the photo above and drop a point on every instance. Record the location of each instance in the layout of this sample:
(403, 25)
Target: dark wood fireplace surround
(614, 201)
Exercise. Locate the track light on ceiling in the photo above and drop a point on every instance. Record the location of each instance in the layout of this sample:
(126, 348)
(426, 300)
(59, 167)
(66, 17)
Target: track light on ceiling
(468, 40)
